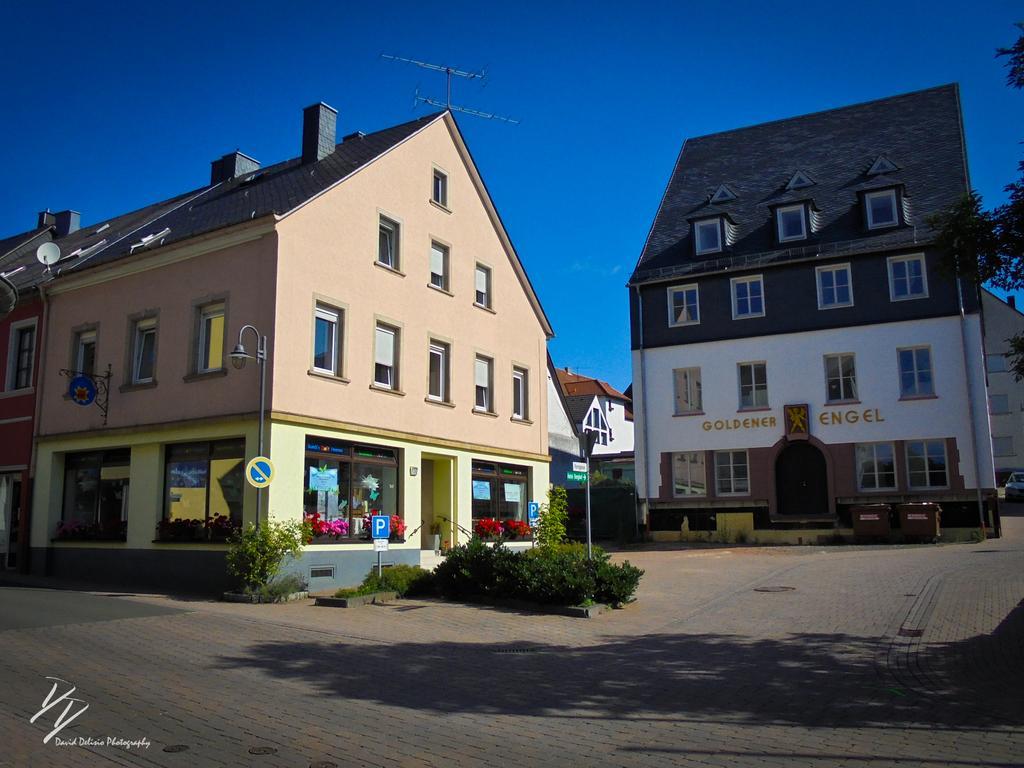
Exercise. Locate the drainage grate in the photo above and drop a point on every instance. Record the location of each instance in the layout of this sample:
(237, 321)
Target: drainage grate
(176, 748)
(515, 650)
(262, 750)
(323, 764)
(774, 589)
(905, 632)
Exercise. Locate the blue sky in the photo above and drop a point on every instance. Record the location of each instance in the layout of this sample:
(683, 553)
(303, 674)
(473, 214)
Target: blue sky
(108, 107)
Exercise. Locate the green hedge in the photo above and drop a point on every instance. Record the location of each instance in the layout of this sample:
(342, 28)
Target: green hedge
(406, 580)
(553, 575)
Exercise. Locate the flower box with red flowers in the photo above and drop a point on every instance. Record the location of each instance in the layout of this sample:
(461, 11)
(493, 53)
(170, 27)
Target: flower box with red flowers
(488, 528)
(516, 529)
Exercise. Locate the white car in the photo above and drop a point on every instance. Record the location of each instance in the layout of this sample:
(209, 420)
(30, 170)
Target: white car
(1015, 487)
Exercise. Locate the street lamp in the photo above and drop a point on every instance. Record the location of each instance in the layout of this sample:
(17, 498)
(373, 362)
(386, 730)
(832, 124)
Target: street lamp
(238, 359)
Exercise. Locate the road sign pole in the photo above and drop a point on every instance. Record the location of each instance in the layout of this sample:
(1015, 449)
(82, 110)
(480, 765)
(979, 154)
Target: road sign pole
(379, 567)
(590, 546)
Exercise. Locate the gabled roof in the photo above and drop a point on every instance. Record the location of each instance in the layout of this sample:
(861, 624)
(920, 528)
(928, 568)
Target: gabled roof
(576, 384)
(553, 372)
(836, 148)
(580, 406)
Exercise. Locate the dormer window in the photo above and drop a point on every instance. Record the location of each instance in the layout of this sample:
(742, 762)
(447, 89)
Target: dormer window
(791, 222)
(880, 209)
(722, 195)
(799, 180)
(707, 236)
(881, 165)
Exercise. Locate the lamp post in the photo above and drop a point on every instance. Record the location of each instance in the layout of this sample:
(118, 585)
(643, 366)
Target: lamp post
(238, 358)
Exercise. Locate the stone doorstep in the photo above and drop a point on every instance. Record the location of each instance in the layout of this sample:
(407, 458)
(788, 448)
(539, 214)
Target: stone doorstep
(241, 597)
(356, 600)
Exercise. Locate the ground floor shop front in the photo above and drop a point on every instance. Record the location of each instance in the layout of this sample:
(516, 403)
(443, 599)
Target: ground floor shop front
(804, 491)
(154, 508)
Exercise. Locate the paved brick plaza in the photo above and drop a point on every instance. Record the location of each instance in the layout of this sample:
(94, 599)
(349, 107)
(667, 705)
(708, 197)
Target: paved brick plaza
(904, 656)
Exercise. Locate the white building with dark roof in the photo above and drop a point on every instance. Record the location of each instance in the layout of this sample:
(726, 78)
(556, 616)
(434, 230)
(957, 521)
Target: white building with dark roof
(796, 350)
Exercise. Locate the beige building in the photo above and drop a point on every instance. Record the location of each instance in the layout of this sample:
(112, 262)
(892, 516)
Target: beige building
(405, 376)
(1005, 394)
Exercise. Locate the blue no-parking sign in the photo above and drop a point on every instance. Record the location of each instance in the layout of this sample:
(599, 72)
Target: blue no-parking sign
(259, 472)
(380, 526)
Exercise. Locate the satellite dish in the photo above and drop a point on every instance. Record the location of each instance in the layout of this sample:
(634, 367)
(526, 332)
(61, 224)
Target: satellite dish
(48, 254)
(8, 296)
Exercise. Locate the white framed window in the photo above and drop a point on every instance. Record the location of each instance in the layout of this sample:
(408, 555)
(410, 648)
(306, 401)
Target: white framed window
(85, 352)
(747, 297)
(840, 378)
(144, 351)
(881, 209)
(687, 390)
(689, 475)
(596, 422)
(996, 363)
(439, 193)
(907, 278)
(483, 379)
(210, 349)
(998, 404)
(438, 375)
(835, 286)
(707, 236)
(327, 334)
(483, 286)
(21, 355)
(520, 394)
(926, 464)
(916, 372)
(732, 476)
(387, 243)
(683, 305)
(791, 222)
(876, 467)
(753, 380)
(439, 266)
(1002, 446)
(385, 361)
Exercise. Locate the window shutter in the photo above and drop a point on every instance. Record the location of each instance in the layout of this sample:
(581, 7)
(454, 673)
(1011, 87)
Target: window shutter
(483, 378)
(385, 347)
(436, 260)
(481, 280)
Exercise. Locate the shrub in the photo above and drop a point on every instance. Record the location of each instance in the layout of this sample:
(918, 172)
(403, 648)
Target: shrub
(616, 584)
(553, 518)
(405, 580)
(278, 589)
(256, 554)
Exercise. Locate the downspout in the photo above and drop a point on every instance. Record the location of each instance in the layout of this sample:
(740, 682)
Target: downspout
(970, 402)
(643, 407)
(25, 542)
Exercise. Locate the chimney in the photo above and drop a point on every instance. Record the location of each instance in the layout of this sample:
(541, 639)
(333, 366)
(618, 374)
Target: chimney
(46, 219)
(319, 124)
(232, 165)
(67, 222)
(1012, 301)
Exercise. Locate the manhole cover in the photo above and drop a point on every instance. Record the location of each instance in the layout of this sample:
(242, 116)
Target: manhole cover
(905, 632)
(262, 751)
(176, 748)
(774, 589)
(515, 650)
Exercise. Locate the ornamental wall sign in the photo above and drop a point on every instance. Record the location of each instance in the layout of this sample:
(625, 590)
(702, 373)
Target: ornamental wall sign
(89, 388)
(797, 421)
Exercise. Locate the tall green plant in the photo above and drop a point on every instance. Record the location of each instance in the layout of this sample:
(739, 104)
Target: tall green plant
(257, 554)
(553, 518)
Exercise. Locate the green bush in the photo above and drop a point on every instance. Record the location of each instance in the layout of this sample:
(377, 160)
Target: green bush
(256, 554)
(278, 589)
(553, 518)
(552, 575)
(405, 580)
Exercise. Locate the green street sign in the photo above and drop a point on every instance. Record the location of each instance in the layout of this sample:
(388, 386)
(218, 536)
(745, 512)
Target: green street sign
(577, 477)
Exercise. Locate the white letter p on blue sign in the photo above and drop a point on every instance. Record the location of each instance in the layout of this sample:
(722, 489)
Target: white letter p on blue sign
(380, 526)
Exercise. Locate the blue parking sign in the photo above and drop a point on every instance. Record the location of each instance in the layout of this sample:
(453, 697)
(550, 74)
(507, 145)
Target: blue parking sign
(380, 526)
(533, 513)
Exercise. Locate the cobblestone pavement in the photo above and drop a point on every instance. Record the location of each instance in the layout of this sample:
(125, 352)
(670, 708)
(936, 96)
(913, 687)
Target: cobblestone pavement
(876, 657)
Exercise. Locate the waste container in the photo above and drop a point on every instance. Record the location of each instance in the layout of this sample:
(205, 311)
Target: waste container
(870, 521)
(920, 520)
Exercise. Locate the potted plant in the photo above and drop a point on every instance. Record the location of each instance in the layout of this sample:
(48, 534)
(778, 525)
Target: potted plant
(515, 529)
(397, 529)
(435, 532)
(220, 527)
(325, 531)
(180, 530)
(487, 528)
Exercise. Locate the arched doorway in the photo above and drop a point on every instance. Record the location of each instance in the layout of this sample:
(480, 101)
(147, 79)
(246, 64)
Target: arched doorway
(801, 481)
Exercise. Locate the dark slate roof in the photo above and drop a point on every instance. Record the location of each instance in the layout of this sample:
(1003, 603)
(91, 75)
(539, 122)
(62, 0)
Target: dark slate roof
(276, 189)
(920, 132)
(578, 406)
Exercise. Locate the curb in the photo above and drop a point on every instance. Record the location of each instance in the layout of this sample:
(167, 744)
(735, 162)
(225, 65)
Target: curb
(356, 601)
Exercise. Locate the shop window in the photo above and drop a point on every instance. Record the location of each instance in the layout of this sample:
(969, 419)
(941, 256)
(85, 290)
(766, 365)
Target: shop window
(348, 483)
(732, 476)
(926, 464)
(876, 468)
(96, 495)
(204, 482)
(500, 491)
(688, 475)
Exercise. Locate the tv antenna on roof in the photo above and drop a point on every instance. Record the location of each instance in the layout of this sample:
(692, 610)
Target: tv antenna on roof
(447, 103)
